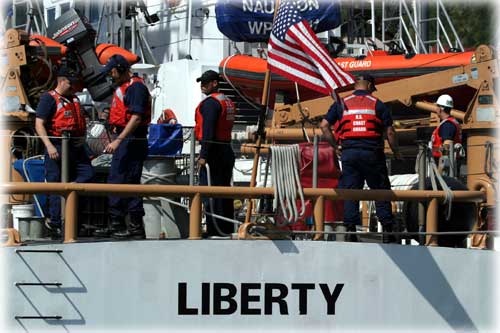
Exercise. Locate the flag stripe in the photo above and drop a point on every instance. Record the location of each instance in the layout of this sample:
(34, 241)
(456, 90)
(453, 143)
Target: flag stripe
(313, 43)
(296, 53)
(316, 80)
(299, 60)
(286, 73)
(348, 77)
(306, 74)
(315, 59)
(275, 43)
(293, 63)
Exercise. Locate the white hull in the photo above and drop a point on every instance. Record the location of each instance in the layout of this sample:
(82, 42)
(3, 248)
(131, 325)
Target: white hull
(138, 286)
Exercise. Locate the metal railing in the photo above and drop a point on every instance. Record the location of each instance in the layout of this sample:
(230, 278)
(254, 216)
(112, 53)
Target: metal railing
(72, 190)
(410, 20)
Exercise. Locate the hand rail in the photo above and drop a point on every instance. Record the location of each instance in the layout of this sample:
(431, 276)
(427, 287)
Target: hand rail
(72, 190)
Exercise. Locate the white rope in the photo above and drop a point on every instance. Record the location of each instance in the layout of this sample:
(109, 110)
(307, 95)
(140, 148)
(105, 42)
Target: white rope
(405, 182)
(286, 181)
(147, 177)
(434, 174)
(278, 192)
(290, 193)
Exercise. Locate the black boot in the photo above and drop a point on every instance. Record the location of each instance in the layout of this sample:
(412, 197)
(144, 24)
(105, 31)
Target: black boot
(351, 237)
(388, 238)
(115, 225)
(135, 229)
(54, 230)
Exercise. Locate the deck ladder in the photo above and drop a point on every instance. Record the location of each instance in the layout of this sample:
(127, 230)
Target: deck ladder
(34, 20)
(38, 316)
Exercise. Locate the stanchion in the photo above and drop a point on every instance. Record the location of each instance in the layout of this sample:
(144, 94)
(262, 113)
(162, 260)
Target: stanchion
(71, 221)
(195, 218)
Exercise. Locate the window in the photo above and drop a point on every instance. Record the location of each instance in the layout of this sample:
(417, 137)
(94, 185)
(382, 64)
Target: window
(93, 13)
(20, 14)
(64, 8)
(51, 15)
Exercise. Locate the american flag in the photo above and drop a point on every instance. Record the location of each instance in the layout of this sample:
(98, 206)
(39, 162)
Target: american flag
(295, 52)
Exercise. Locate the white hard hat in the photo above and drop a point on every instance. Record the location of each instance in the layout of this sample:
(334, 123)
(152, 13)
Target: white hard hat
(445, 101)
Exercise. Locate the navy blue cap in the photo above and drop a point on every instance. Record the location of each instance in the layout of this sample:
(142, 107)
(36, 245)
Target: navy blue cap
(209, 75)
(116, 61)
(367, 77)
(64, 71)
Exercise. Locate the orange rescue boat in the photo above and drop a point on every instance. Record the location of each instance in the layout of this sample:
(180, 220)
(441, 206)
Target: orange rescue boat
(246, 73)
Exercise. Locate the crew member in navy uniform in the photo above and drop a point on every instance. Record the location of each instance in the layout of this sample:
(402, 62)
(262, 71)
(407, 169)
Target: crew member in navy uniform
(129, 118)
(362, 122)
(59, 111)
(214, 119)
(448, 132)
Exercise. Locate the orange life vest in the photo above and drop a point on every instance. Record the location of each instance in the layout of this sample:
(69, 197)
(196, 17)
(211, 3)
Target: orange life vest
(359, 119)
(224, 122)
(68, 116)
(119, 114)
(437, 141)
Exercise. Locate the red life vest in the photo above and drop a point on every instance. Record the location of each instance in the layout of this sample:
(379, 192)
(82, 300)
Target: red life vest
(359, 119)
(68, 116)
(224, 122)
(119, 114)
(437, 141)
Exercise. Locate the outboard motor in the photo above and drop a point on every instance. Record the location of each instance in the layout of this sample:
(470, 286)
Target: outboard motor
(463, 215)
(74, 31)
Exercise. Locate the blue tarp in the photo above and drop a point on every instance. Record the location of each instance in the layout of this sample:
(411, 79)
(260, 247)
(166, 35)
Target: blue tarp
(165, 139)
(251, 20)
(36, 173)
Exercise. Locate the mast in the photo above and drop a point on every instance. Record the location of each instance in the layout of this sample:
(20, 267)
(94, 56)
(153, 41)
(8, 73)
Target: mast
(260, 129)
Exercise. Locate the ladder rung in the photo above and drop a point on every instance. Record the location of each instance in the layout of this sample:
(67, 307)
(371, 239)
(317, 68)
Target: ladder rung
(428, 19)
(39, 251)
(55, 284)
(40, 317)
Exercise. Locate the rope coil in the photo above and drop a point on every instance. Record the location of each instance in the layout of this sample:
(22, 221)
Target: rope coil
(286, 180)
